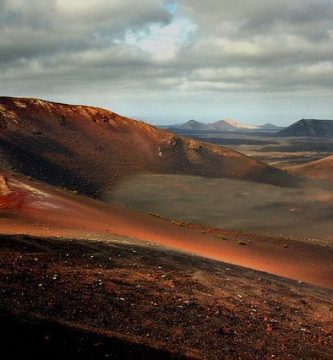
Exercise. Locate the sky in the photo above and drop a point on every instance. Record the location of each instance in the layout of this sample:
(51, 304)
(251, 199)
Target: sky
(168, 61)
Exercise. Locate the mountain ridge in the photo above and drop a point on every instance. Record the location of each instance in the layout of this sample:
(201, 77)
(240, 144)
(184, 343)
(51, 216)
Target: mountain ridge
(90, 149)
(225, 125)
(309, 127)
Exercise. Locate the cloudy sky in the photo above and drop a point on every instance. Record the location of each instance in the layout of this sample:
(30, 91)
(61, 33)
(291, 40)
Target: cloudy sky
(169, 61)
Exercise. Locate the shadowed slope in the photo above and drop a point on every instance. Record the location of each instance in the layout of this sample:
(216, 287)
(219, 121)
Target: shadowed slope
(309, 127)
(89, 149)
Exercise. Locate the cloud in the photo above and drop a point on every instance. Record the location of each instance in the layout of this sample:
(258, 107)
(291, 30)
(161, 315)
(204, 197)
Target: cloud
(49, 46)
(247, 18)
(260, 47)
(162, 42)
(42, 27)
(112, 52)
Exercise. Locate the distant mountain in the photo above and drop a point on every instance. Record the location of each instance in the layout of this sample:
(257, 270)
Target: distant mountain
(269, 126)
(238, 125)
(309, 127)
(193, 125)
(221, 125)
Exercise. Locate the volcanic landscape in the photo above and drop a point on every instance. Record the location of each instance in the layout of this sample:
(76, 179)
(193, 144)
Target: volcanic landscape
(95, 263)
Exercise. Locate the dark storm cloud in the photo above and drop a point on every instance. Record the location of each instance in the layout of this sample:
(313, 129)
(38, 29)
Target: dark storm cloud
(184, 48)
(254, 17)
(263, 44)
(59, 46)
(37, 28)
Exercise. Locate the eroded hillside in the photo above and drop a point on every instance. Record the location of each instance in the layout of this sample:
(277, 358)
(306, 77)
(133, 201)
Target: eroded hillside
(89, 149)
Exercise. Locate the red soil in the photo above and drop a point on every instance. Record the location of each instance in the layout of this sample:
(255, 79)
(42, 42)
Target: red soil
(46, 211)
(77, 299)
(320, 169)
(89, 149)
(9, 199)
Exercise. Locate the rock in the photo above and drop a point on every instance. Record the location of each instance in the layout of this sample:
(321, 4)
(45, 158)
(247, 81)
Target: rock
(4, 188)
(226, 331)
(61, 121)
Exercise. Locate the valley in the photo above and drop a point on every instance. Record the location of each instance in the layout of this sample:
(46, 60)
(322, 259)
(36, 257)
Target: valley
(166, 180)
(303, 213)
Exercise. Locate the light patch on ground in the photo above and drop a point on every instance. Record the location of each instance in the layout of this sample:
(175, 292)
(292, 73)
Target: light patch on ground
(44, 205)
(20, 104)
(8, 114)
(41, 199)
(4, 189)
(30, 189)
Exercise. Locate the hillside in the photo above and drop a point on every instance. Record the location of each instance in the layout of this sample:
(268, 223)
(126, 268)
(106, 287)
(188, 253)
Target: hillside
(120, 300)
(193, 125)
(222, 125)
(269, 126)
(320, 169)
(309, 127)
(89, 149)
(93, 279)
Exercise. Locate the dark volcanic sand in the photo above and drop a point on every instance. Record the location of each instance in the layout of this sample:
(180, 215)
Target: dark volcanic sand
(103, 299)
(304, 214)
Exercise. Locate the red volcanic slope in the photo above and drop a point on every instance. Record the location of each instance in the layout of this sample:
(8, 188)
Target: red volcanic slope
(9, 199)
(320, 169)
(89, 149)
(48, 212)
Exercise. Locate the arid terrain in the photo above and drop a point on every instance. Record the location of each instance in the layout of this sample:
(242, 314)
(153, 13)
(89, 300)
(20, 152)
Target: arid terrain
(269, 148)
(166, 180)
(167, 266)
(89, 149)
(303, 213)
(81, 299)
(321, 169)
(36, 209)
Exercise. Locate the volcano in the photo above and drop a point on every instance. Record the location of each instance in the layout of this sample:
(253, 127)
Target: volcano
(89, 149)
